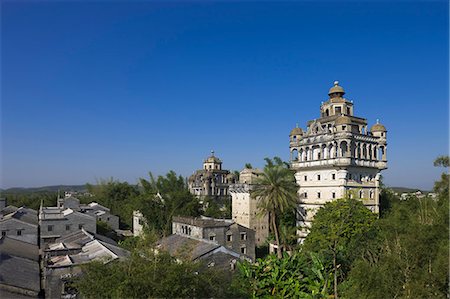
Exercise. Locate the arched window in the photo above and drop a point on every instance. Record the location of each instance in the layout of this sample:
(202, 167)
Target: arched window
(327, 112)
(380, 153)
(294, 155)
(344, 148)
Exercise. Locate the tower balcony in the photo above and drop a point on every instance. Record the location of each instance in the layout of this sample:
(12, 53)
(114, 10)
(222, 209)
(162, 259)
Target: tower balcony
(339, 162)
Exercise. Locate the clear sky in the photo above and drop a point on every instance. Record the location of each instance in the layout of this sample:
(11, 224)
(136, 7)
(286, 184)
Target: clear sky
(92, 90)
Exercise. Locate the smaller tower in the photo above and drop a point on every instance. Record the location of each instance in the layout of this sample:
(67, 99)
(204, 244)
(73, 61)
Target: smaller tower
(244, 207)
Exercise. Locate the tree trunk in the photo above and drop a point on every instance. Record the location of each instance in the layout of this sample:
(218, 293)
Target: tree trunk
(277, 238)
(335, 275)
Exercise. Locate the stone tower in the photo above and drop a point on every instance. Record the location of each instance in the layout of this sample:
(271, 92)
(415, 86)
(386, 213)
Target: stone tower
(244, 207)
(336, 157)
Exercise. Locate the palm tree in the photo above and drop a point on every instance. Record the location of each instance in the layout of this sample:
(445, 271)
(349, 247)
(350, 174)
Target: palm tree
(276, 190)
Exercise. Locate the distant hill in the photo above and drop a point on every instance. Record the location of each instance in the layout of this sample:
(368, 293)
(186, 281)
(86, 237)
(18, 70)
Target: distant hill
(61, 188)
(401, 190)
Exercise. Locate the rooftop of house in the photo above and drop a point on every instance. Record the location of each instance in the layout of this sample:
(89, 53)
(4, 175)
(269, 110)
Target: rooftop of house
(7, 210)
(93, 248)
(19, 248)
(203, 221)
(50, 213)
(19, 260)
(23, 214)
(77, 240)
(190, 248)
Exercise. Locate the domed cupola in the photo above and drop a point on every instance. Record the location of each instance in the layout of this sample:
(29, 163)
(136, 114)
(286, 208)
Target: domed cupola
(378, 130)
(336, 91)
(296, 133)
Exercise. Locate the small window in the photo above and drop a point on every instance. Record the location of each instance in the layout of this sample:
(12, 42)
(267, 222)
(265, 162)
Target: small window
(318, 194)
(107, 219)
(306, 178)
(50, 228)
(67, 226)
(212, 238)
(243, 236)
(318, 177)
(344, 127)
(333, 176)
(19, 232)
(306, 194)
(244, 250)
(80, 226)
(3, 233)
(333, 195)
(229, 238)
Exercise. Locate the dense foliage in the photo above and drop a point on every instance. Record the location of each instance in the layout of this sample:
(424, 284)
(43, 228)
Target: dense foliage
(31, 200)
(149, 275)
(294, 276)
(157, 199)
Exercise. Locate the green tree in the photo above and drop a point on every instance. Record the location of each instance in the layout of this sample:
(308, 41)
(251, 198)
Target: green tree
(277, 192)
(146, 274)
(339, 231)
(165, 197)
(408, 258)
(293, 276)
(116, 195)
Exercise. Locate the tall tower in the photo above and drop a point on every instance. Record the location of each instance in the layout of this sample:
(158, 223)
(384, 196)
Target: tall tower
(336, 157)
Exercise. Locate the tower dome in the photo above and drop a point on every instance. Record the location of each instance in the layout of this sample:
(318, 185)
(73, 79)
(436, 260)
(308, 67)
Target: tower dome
(336, 90)
(378, 128)
(296, 131)
(342, 120)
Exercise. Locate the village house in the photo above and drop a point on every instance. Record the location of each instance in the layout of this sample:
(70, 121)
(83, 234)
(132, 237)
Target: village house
(63, 257)
(20, 224)
(224, 232)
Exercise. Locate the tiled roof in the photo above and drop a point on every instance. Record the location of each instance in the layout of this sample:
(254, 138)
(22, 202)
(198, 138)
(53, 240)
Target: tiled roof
(19, 248)
(185, 247)
(25, 215)
(203, 221)
(19, 266)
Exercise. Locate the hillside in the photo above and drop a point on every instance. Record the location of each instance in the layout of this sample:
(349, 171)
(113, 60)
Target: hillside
(55, 188)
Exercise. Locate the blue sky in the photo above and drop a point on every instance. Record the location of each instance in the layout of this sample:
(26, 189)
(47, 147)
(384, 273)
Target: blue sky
(92, 90)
